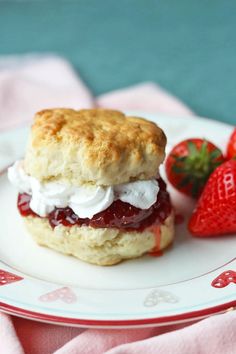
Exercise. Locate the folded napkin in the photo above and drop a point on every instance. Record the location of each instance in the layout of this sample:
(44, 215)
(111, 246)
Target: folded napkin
(33, 82)
(30, 83)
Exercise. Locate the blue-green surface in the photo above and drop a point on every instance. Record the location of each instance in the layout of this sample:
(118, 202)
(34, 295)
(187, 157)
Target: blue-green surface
(187, 46)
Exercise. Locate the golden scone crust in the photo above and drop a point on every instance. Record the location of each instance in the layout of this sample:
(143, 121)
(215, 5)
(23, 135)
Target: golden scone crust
(98, 146)
(102, 246)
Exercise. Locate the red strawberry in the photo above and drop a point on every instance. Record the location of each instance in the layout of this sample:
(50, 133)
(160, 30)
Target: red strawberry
(215, 212)
(231, 148)
(190, 163)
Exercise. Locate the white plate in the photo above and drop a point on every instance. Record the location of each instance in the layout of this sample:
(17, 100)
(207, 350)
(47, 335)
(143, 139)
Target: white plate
(38, 283)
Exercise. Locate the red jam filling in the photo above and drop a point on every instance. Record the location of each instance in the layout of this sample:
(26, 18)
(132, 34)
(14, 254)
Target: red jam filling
(118, 215)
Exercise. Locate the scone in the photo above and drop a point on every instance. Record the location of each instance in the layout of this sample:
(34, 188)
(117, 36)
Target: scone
(89, 185)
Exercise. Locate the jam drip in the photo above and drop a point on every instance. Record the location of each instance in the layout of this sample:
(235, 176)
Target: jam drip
(118, 215)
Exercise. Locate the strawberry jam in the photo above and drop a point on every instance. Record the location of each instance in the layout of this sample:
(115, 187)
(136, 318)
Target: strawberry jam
(23, 205)
(119, 214)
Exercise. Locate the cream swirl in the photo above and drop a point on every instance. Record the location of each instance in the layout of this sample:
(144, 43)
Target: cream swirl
(84, 200)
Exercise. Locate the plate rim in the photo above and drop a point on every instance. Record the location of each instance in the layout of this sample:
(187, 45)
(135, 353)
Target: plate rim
(88, 323)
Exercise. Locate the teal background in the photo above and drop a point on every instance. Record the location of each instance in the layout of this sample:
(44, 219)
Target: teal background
(187, 46)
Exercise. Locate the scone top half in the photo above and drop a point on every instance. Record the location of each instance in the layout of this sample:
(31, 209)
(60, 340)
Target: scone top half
(96, 146)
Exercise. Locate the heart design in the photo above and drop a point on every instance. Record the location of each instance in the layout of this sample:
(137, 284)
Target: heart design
(160, 296)
(224, 279)
(64, 294)
(7, 278)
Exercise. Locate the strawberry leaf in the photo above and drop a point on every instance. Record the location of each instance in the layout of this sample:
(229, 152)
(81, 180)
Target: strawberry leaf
(192, 148)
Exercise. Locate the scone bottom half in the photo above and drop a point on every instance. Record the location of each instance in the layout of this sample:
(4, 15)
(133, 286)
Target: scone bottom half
(117, 157)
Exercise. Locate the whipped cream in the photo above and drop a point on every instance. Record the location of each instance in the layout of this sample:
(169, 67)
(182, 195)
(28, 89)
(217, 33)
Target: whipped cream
(84, 200)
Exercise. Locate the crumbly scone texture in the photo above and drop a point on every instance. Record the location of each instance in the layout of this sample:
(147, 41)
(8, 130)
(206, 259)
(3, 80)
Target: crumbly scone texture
(97, 146)
(102, 246)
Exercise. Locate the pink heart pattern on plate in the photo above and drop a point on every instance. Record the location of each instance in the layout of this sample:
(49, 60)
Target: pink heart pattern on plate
(7, 278)
(224, 279)
(156, 297)
(64, 294)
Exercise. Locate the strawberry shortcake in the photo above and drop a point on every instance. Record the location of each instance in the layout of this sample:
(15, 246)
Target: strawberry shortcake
(89, 185)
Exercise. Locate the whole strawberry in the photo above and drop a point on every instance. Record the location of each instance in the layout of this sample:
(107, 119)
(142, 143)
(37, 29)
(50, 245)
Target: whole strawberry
(215, 212)
(231, 147)
(190, 163)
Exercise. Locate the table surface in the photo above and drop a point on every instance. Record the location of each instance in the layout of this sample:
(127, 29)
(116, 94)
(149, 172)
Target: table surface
(186, 46)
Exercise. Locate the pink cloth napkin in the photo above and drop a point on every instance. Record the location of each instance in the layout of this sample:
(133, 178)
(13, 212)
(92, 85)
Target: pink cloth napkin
(28, 84)
(31, 82)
